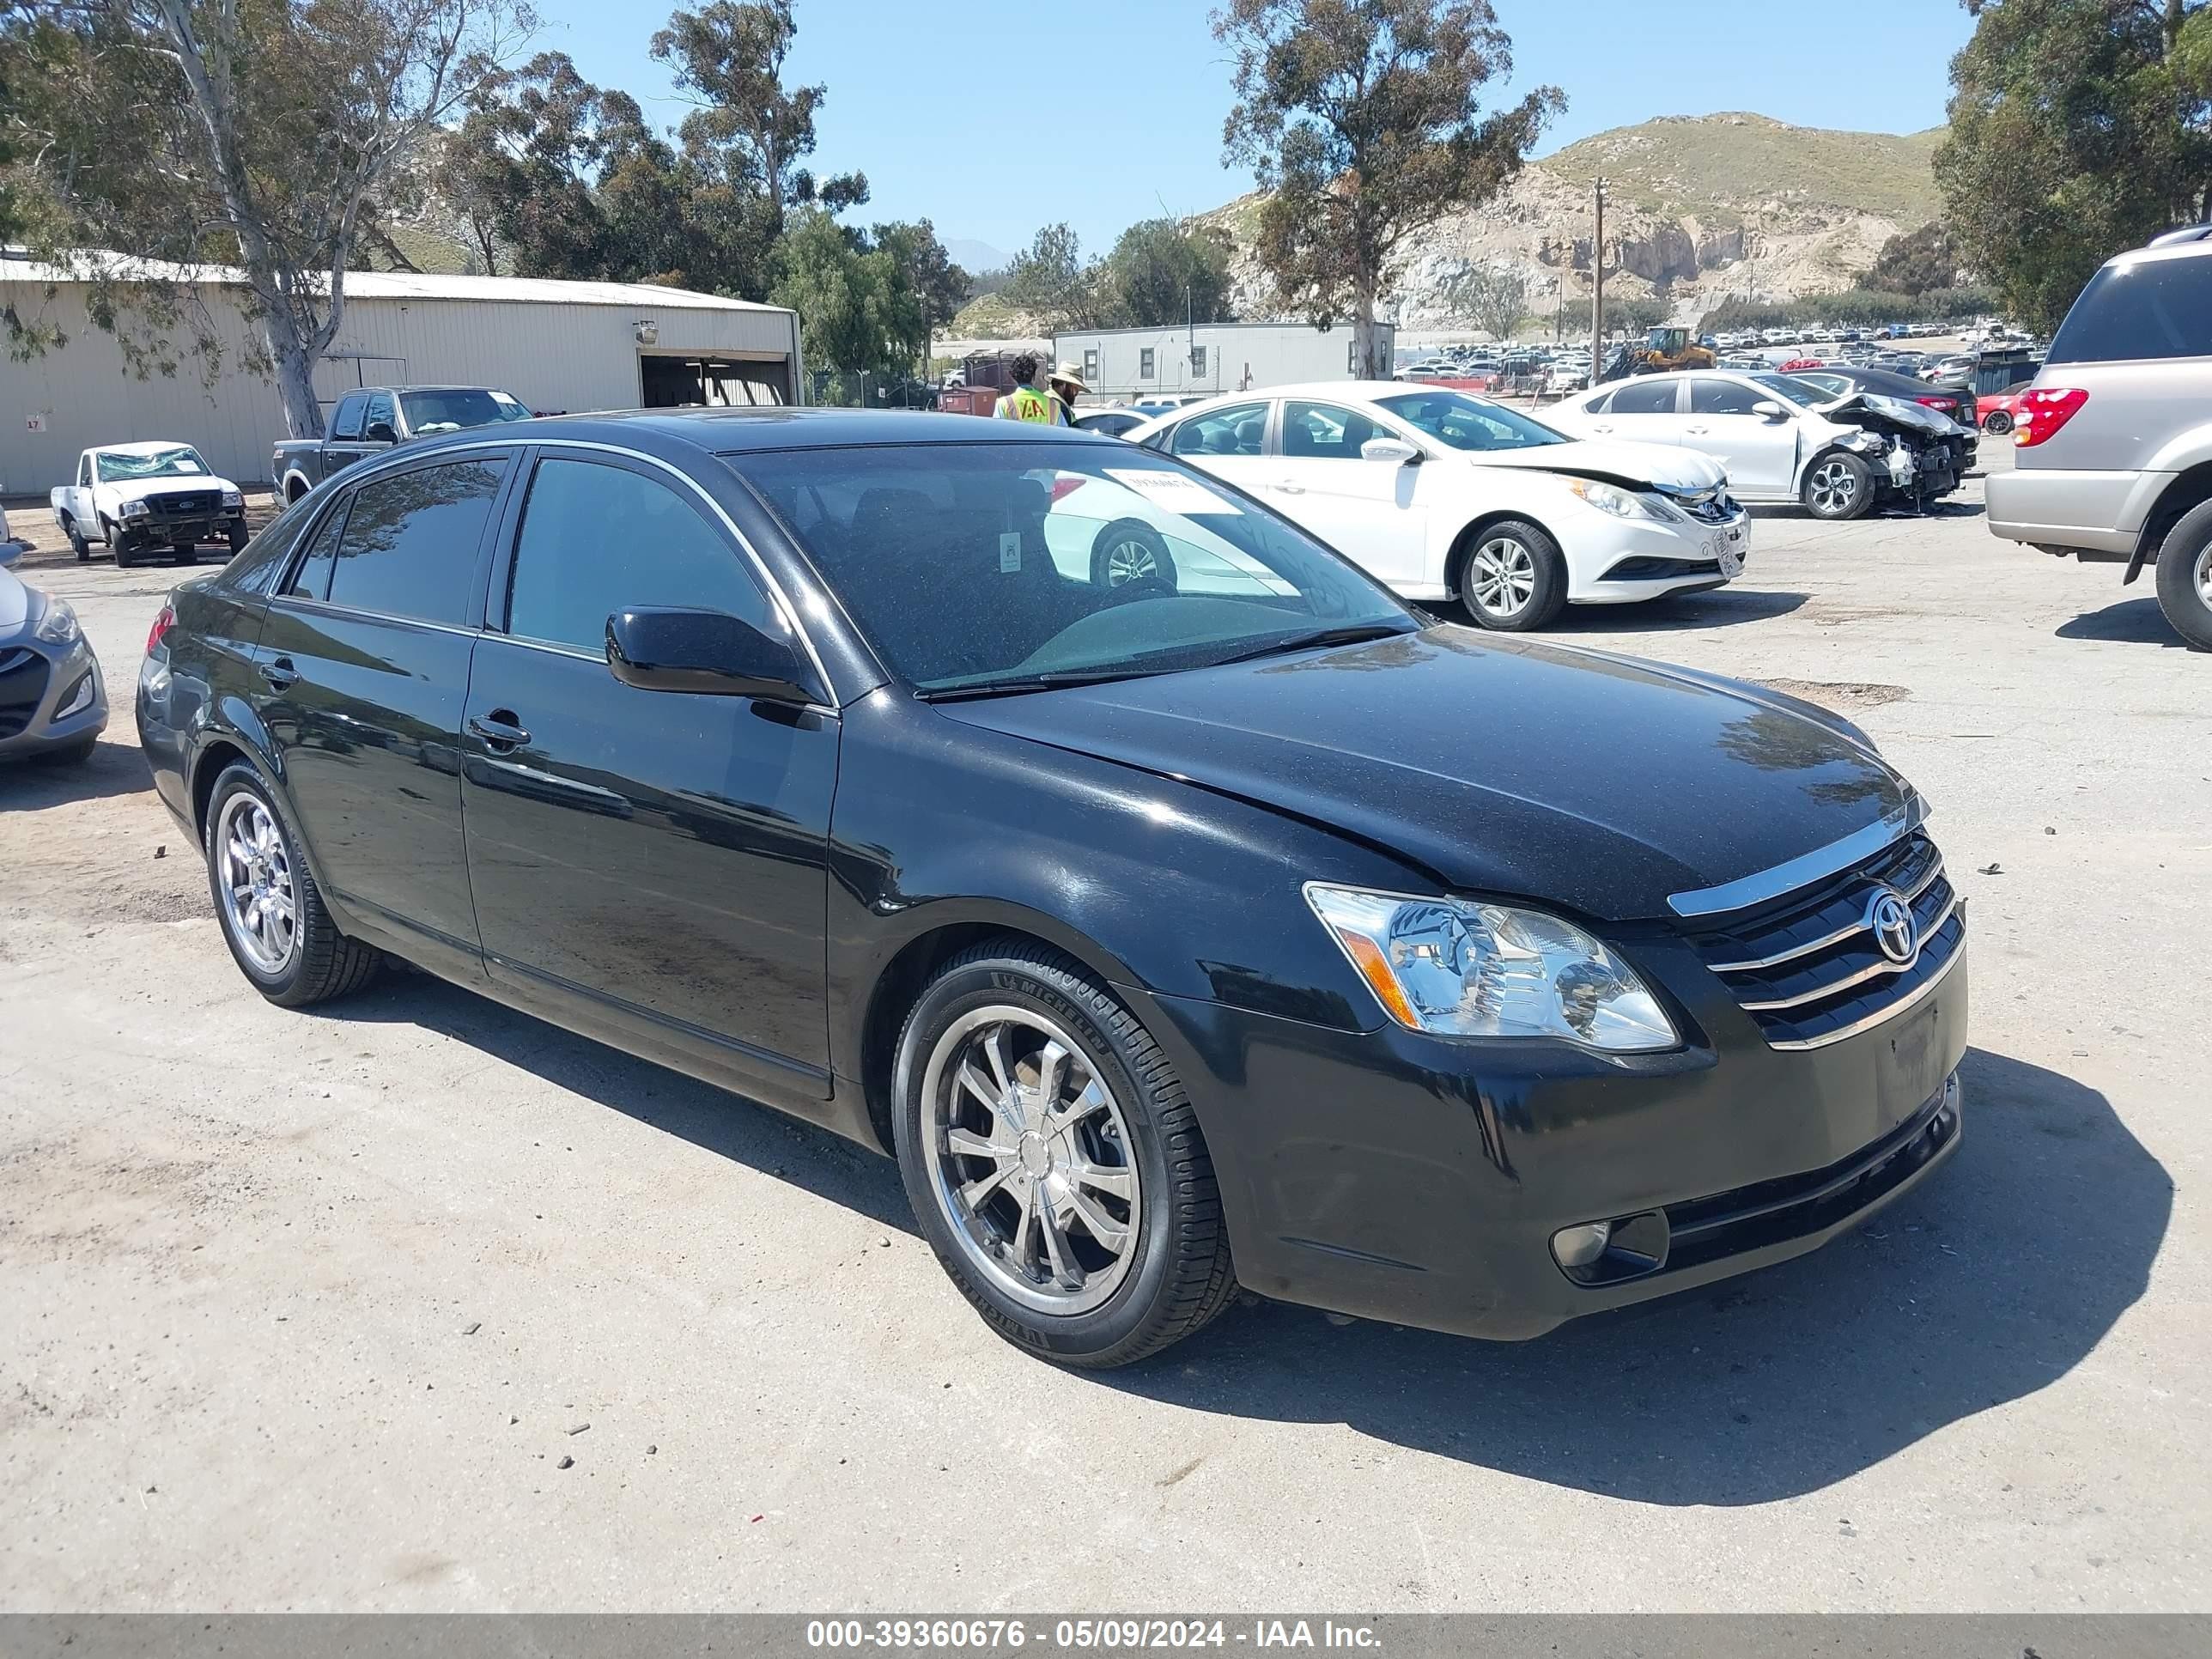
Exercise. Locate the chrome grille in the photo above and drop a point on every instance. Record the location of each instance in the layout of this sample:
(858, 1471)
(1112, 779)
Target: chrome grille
(1807, 968)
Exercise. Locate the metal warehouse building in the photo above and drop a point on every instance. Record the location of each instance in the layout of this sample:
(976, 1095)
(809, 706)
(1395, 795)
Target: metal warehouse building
(564, 347)
(1135, 363)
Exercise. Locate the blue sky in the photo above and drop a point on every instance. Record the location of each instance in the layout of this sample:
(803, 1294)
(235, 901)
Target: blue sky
(993, 116)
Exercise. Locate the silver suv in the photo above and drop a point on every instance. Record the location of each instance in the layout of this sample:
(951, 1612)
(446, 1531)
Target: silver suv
(2115, 437)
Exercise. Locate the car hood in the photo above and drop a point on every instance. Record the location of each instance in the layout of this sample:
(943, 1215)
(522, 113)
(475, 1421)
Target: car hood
(17, 603)
(1504, 766)
(1615, 460)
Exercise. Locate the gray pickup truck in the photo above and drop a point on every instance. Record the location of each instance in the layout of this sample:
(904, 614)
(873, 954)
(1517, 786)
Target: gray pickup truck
(371, 420)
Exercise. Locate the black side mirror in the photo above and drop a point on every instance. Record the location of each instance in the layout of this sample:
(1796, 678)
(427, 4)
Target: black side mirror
(663, 649)
(380, 432)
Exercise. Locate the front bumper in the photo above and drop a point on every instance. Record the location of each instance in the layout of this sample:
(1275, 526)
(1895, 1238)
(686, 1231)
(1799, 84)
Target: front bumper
(1419, 1180)
(157, 530)
(37, 683)
(1621, 561)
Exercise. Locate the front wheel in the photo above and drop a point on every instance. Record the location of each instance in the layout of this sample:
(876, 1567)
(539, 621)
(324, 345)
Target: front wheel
(1515, 578)
(272, 914)
(125, 555)
(1053, 1161)
(2185, 577)
(1838, 485)
(237, 535)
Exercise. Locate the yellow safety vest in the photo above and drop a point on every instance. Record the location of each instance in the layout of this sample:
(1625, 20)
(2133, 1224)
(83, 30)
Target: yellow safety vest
(1026, 403)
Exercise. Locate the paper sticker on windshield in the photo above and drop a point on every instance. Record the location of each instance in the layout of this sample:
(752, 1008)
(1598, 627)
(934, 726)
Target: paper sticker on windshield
(504, 401)
(1171, 492)
(1010, 550)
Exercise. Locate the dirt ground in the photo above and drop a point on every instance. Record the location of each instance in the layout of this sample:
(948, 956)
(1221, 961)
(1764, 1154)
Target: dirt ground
(412, 1302)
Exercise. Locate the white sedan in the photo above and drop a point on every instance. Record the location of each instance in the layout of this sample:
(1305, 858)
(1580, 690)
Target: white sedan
(1444, 494)
(1778, 438)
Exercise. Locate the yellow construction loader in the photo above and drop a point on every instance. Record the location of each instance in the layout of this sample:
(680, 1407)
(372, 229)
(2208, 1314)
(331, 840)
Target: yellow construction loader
(1668, 348)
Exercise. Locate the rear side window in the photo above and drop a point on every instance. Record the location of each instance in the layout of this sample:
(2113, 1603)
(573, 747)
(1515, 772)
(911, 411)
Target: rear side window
(2146, 308)
(1239, 430)
(346, 423)
(255, 567)
(313, 579)
(596, 539)
(1645, 398)
(409, 546)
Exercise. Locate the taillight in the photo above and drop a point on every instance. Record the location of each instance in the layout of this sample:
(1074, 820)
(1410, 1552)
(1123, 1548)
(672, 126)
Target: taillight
(2041, 412)
(1946, 404)
(162, 624)
(1066, 484)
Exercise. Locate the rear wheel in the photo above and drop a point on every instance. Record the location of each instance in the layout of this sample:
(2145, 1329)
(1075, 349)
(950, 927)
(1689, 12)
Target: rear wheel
(1130, 550)
(1053, 1161)
(1838, 485)
(272, 914)
(1997, 424)
(2185, 577)
(1514, 579)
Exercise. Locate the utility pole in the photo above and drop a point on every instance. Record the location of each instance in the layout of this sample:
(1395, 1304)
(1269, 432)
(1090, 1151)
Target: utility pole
(1597, 287)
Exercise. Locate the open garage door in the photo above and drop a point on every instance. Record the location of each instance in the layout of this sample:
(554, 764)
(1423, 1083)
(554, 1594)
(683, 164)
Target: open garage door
(713, 382)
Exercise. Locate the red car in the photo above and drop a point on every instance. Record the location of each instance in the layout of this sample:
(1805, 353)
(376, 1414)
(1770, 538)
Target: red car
(1998, 411)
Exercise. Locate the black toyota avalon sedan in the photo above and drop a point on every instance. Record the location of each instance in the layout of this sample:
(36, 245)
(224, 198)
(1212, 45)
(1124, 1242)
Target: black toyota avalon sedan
(1180, 910)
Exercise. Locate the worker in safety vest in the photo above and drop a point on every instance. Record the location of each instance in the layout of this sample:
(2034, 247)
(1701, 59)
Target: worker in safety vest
(1025, 401)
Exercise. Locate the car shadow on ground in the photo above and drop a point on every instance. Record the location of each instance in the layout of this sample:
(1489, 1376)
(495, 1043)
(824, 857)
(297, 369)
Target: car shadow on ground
(723, 1124)
(2133, 621)
(1719, 607)
(1990, 1282)
(116, 768)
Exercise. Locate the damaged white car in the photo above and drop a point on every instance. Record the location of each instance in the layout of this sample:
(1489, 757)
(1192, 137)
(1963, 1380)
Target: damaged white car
(1785, 440)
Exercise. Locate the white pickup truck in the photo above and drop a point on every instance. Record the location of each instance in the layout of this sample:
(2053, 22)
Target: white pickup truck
(138, 497)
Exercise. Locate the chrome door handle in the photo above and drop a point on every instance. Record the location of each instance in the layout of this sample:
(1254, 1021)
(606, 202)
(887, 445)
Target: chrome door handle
(1290, 488)
(498, 730)
(280, 674)
(1698, 430)
(1601, 426)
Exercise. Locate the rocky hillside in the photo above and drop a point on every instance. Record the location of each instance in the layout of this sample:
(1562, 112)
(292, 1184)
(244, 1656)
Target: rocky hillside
(1698, 208)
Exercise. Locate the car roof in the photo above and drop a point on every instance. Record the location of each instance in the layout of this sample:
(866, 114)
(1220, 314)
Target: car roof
(734, 431)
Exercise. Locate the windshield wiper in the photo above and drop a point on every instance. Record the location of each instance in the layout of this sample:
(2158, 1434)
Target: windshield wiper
(1348, 634)
(1049, 682)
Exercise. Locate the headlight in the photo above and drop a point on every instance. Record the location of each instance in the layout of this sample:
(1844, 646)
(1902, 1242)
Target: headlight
(1458, 968)
(1621, 503)
(231, 498)
(58, 626)
(134, 509)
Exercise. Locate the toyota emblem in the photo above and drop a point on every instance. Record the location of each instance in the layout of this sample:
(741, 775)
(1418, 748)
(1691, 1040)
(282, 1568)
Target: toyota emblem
(1889, 918)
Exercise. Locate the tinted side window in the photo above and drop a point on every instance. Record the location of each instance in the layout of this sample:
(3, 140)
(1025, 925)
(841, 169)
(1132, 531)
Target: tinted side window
(2150, 308)
(313, 579)
(1239, 430)
(1326, 432)
(1646, 398)
(257, 565)
(409, 547)
(1598, 404)
(378, 413)
(1711, 397)
(346, 423)
(598, 539)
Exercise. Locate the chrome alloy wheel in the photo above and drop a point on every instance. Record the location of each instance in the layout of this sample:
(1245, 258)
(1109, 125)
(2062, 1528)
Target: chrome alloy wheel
(2203, 574)
(1834, 487)
(1127, 561)
(1501, 578)
(260, 907)
(1030, 1160)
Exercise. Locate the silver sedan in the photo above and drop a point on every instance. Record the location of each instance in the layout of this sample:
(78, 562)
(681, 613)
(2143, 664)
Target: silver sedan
(53, 700)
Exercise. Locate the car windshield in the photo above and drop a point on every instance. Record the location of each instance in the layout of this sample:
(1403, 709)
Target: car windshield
(1803, 393)
(182, 461)
(974, 568)
(1466, 422)
(454, 407)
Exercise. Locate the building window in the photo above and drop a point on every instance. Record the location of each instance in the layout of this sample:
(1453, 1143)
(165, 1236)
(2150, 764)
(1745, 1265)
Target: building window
(1144, 365)
(1352, 357)
(1198, 362)
(1091, 367)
